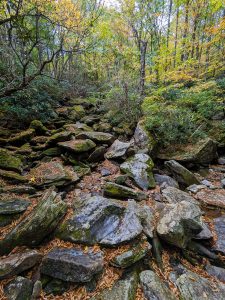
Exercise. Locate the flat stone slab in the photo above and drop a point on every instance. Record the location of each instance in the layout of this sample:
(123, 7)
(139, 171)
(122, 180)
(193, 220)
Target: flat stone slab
(98, 137)
(72, 265)
(211, 197)
(13, 206)
(19, 262)
(78, 146)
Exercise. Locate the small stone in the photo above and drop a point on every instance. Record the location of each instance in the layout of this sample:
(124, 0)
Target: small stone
(219, 226)
(194, 188)
(221, 161)
(17, 263)
(165, 181)
(117, 150)
(223, 183)
(217, 272)
(174, 195)
(97, 137)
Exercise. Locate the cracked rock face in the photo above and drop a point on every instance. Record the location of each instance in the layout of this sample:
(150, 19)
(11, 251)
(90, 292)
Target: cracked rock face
(180, 223)
(103, 221)
(139, 168)
(72, 265)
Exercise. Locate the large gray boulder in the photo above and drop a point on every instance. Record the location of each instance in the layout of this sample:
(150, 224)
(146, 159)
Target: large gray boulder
(181, 174)
(195, 287)
(154, 288)
(123, 289)
(180, 223)
(37, 225)
(72, 265)
(114, 190)
(17, 263)
(139, 168)
(117, 150)
(101, 220)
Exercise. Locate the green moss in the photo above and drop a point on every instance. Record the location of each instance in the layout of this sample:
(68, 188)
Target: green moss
(38, 126)
(9, 161)
(22, 137)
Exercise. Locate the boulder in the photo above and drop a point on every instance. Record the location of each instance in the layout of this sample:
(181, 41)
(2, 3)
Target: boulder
(38, 127)
(37, 225)
(19, 189)
(154, 287)
(214, 198)
(203, 152)
(130, 257)
(22, 137)
(181, 174)
(139, 168)
(52, 152)
(72, 265)
(219, 227)
(78, 146)
(100, 220)
(174, 195)
(52, 173)
(17, 263)
(77, 128)
(114, 190)
(117, 150)
(10, 162)
(19, 288)
(123, 289)
(97, 155)
(76, 112)
(143, 140)
(11, 209)
(90, 119)
(195, 287)
(97, 137)
(56, 286)
(61, 136)
(179, 223)
(165, 181)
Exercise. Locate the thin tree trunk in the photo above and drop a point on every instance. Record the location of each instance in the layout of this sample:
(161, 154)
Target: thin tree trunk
(184, 55)
(176, 37)
(143, 49)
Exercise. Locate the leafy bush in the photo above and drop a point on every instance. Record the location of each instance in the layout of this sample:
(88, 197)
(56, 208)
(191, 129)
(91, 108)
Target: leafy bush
(35, 102)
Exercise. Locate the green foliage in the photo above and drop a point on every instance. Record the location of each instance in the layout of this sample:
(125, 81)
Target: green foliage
(175, 115)
(35, 102)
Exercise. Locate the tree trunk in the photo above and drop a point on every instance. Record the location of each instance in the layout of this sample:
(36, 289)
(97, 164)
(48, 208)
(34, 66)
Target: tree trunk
(176, 37)
(143, 49)
(184, 55)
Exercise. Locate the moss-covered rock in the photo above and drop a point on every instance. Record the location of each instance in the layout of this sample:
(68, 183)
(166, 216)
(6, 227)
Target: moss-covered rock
(13, 176)
(22, 137)
(37, 225)
(59, 137)
(114, 190)
(143, 139)
(130, 257)
(97, 137)
(8, 161)
(55, 151)
(25, 149)
(76, 112)
(181, 174)
(78, 146)
(38, 126)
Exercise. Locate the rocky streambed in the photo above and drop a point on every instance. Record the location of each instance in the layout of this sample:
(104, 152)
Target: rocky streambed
(88, 211)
